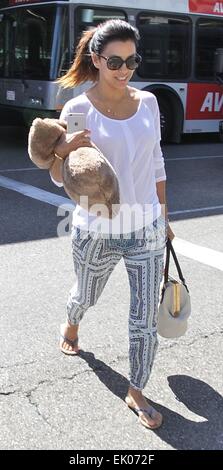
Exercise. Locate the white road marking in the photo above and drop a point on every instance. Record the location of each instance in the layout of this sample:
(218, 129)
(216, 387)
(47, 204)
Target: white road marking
(56, 200)
(19, 169)
(34, 193)
(199, 253)
(190, 250)
(178, 159)
(166, 160)
(198, 209)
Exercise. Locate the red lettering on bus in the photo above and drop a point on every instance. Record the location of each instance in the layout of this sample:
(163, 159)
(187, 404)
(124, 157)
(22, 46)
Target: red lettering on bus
(204, 101)
(206, 6)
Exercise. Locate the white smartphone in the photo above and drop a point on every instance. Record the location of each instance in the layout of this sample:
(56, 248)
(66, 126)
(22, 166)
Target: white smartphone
(76, 122)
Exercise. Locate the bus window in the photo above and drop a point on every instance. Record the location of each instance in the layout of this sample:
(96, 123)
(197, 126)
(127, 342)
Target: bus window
(33, 43)
(64, 50)
(164, 46)
(7, 28)
(209, 37)
(26, 42)
(87, 18)
(2, 45)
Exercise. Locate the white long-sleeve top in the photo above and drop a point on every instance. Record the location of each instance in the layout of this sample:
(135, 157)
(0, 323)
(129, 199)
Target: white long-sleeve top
(133, 148)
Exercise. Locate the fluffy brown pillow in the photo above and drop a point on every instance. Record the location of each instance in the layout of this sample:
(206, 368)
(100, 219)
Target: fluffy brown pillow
(88, 177)
(90, 180)
(43, 137)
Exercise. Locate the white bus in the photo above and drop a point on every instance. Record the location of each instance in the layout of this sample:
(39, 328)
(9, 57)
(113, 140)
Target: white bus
(179, 40)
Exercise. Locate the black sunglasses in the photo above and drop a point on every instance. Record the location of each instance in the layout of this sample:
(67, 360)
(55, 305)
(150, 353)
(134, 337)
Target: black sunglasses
(115, 62)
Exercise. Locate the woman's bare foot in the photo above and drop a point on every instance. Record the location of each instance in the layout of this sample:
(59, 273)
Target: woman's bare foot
(148, 416)
(69, 338)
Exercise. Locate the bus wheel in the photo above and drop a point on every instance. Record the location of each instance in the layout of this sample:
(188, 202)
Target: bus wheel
(165, 119)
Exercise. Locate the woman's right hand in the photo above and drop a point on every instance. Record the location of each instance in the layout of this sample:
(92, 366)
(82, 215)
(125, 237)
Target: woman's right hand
(69, 142)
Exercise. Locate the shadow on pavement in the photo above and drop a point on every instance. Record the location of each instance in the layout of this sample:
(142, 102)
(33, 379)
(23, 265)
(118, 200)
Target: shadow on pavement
(199, 397)
(114, 381)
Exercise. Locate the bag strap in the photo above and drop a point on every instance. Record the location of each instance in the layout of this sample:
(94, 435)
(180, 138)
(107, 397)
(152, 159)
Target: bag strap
(170, 249)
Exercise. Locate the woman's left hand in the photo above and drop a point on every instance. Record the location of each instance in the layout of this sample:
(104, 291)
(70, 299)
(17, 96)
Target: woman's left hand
(170, 233)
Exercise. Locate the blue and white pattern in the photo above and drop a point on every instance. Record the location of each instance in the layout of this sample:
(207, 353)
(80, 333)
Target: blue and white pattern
(95, 257)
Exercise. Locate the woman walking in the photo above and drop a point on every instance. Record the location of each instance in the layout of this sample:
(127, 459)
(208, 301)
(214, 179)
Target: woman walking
(124, 124)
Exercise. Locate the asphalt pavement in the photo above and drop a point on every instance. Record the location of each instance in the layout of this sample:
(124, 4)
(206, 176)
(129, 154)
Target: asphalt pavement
(52, 401)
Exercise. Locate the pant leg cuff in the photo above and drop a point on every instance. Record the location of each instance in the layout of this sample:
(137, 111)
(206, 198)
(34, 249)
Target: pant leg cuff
(72, 322)
(136, 387)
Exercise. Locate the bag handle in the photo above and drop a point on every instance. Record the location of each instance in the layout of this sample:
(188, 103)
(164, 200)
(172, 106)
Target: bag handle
(170, 249)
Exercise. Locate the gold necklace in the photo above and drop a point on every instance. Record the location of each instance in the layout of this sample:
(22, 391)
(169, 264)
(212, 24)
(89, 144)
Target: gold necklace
(109, 110)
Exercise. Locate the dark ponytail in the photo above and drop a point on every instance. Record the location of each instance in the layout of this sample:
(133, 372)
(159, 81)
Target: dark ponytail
(83, 68)
(95, 40)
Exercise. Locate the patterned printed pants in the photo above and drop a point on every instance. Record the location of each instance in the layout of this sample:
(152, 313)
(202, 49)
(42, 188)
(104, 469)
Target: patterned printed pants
(95, 257)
